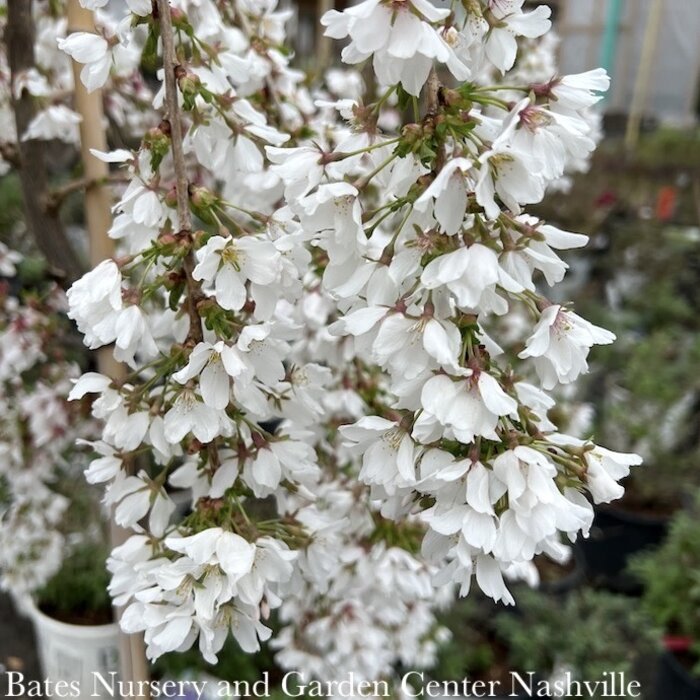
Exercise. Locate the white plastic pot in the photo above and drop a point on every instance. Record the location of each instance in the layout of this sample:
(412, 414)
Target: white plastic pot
(75, 652)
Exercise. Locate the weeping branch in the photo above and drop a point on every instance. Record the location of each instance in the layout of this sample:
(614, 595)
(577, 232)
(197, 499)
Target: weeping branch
(172, 105)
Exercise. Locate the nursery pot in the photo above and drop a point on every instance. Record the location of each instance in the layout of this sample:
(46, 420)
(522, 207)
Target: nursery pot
(674, 680)
(615, 536)
(571, 578)
(75, 653)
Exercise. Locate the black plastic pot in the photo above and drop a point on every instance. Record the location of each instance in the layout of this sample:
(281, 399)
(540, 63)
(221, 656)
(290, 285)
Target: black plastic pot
(571, 580)
(615, 536)
(674, 681)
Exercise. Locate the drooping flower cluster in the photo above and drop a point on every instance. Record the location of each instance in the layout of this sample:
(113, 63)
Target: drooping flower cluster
(433, 246)
(309, 303)
(365, 602)
(199, 317)
(38, 430)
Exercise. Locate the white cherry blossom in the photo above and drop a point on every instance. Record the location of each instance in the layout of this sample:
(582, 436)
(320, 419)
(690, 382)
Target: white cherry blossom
(560, 344)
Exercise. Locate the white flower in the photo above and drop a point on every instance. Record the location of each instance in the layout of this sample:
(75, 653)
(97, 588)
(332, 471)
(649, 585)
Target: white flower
(54, 122)
(93, 51)
(125, 430)
(475, 518)
(246, 628)
(104, 468)
(277, 460)
(555, 139)
(334, 211)
(126, 564)
(560, 343)
(262, 353)
(228, 263)
(538, 254)
(140, 7)
(146, 207)
(605, 469)
(133, 335)
(510, 22)
(134, 498)
(95, 301)
(463, 409)
(215, 365)
(189, 415)
(216, 546)
(301, 169)
(89, 383)
(470, 274)
(489, 576)
(407, 347)
(401, 38)
(449, 190)
(509, 171)
(271, 564)
(388, 452)
(577, 92)
(8, 260)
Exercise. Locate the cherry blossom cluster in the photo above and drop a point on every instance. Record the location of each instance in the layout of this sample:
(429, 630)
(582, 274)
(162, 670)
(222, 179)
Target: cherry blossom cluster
(38, 429)
(330, 302)
(201, 318)
(365, 600)
(535, 65)
(427, 243)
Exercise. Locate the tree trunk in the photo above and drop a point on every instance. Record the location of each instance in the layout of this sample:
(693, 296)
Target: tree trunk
(42, 224)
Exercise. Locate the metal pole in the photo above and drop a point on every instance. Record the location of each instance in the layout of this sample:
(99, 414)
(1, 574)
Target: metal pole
(611, 34)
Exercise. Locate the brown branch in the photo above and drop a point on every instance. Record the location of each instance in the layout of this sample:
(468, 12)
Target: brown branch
(44, 226)
(10, 154)
(194, 289)
(433, 107)
(433, 92)
(170, 67)
(57, 196)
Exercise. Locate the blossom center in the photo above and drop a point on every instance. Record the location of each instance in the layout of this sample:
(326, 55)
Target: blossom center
(232, 255)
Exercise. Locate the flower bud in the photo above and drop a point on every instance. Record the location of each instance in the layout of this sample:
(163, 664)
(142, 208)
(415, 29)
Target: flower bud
(179, 18)
(171, 197)
(158, 143)
(451, 97)
(189, 84)
(411, 133)
(167, 238)
(202, 198)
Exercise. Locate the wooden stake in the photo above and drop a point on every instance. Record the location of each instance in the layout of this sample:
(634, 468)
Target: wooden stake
(646, 64)
(134, 666)
(324, 43)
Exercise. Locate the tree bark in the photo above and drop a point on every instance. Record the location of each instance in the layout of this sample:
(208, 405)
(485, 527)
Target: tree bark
(43, 225)
(170, 65)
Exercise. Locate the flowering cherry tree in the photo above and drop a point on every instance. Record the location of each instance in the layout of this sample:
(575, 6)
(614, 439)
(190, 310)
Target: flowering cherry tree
(39, 429)
(331, 302)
